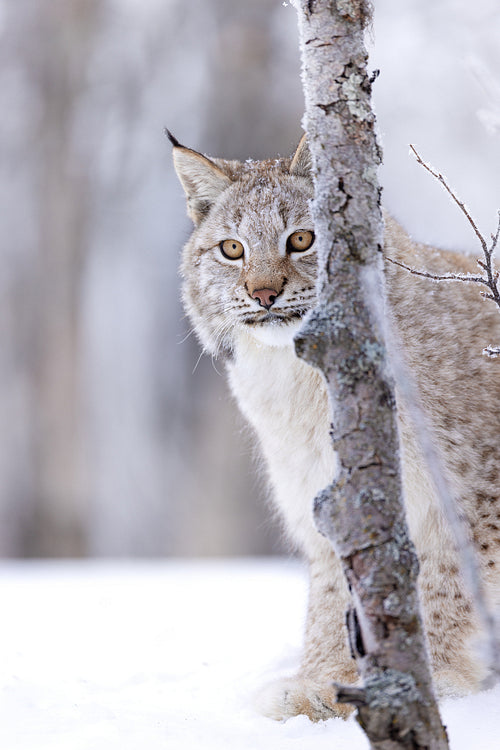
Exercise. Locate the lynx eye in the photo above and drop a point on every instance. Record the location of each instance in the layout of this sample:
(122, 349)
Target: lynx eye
(299, 241)
(231, 249)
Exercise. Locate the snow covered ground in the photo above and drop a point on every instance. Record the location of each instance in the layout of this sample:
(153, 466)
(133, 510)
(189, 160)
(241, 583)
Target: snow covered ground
(143, 656)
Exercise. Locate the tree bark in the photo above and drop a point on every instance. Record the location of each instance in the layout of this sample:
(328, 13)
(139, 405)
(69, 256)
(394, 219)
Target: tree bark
(361, 512)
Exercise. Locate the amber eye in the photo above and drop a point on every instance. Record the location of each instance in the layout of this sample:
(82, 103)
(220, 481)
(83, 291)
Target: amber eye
(299, 241)
(231, 249)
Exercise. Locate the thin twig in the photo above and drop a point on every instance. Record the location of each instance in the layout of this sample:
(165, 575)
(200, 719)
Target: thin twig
(459, 203)
(425, 431)
(492, 351)
(495, 237)
(444, 277)
(490, 280)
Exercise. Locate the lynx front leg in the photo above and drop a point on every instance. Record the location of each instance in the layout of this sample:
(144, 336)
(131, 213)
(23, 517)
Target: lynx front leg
(326, 656)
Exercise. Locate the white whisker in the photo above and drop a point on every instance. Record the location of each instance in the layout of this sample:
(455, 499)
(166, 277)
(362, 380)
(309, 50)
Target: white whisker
(220, 334)
(198, 361)
(188, 334)
(214, 365)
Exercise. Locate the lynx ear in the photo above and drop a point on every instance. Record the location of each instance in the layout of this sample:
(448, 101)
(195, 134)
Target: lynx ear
(301, 165)
(201, 179)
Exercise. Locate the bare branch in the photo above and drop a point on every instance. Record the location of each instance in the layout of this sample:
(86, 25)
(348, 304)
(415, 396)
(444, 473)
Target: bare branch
(490, 279)
(492, 351)
(425, 433)
(444, 277)
(495, 237)
(350, 694)
(459, 203)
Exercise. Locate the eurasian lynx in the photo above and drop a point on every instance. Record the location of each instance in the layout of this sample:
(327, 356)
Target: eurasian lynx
(249, 271)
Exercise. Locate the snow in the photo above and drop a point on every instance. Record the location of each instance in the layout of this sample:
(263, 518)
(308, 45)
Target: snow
(126, 656)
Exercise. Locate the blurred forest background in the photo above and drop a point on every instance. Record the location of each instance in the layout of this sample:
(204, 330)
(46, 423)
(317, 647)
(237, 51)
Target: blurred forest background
(114, 439)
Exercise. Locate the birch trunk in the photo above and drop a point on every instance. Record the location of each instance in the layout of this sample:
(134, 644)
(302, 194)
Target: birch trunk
(362, 512)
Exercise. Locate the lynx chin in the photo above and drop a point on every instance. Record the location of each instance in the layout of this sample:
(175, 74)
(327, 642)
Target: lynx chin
(249, 278)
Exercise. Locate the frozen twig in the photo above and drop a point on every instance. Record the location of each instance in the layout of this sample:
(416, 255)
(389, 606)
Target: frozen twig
(424, 430)
(459, 203)
(490, 277)
(444, 277)
(492, 351)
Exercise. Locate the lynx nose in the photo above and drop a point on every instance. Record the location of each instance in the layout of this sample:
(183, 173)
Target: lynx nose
(265, 297)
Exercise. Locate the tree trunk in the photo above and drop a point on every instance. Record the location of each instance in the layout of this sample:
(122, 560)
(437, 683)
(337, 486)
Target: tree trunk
(361, 512)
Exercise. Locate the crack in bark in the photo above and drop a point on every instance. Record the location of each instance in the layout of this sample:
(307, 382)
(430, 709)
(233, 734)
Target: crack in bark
(327, 108)
(377, 463)
(356, 643)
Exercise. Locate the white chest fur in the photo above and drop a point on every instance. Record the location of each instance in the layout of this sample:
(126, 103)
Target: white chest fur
(285, 401)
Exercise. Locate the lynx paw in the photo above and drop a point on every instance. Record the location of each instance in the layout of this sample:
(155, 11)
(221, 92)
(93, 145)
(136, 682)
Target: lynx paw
(454, 684)
(285, 698)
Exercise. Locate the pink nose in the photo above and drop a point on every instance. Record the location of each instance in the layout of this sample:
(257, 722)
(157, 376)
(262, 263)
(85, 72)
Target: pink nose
(265, 297)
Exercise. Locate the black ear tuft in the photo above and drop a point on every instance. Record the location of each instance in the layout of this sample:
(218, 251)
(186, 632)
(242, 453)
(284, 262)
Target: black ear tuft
(203, 180)
(173, 140)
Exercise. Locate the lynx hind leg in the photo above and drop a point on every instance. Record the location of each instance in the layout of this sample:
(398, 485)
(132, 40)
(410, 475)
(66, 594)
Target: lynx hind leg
(326, 657)
(451, 626)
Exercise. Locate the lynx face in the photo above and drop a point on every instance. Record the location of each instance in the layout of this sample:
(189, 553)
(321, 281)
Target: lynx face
(250, 264)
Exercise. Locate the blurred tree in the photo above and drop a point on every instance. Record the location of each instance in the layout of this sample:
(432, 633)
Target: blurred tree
(101, 423)
(43, 487)
(65, 33)
(105, 446)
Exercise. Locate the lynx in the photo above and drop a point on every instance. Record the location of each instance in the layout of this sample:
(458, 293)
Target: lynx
(249, 278)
